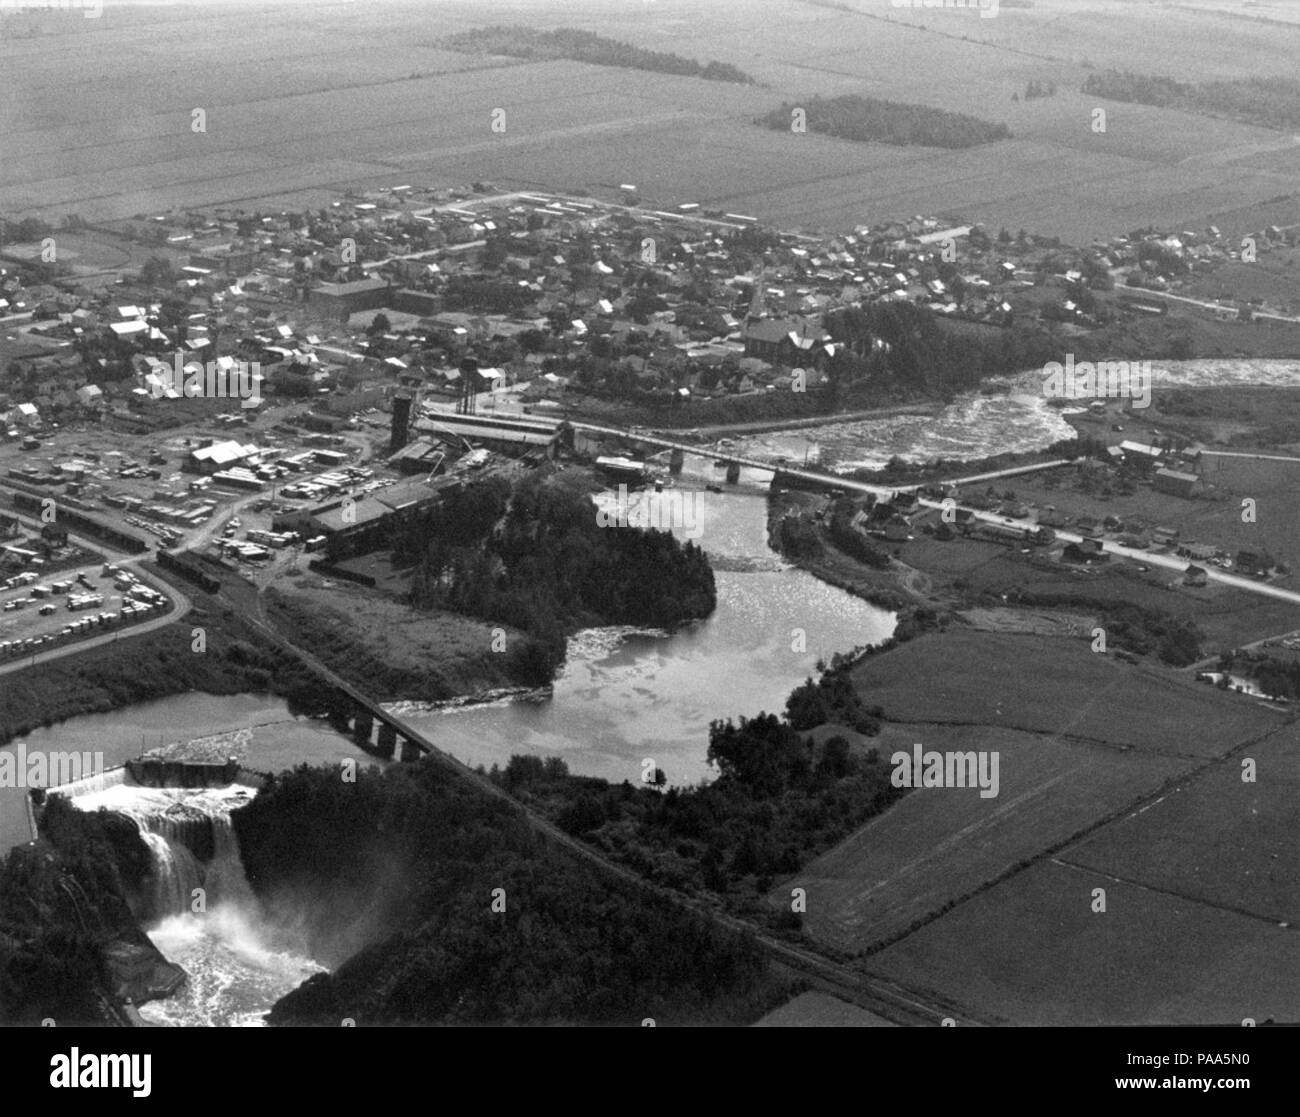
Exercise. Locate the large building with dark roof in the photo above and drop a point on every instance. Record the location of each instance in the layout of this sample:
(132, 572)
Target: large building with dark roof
(355, 525)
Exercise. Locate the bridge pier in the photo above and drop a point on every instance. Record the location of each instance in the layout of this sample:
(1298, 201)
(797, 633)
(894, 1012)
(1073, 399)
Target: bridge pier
(410, 751)
(733, 472)
(363, 726)
(676, 459)
(340, 717)
(387, 739)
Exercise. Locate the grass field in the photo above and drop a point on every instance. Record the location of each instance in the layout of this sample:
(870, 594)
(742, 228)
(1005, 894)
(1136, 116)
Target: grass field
(1126, 779)
(303, 100)
(820, 1010)
(1251, 863)
(400, 653)
(1032, 951)
(1228, 617)
(939, 844)
(1044, 684)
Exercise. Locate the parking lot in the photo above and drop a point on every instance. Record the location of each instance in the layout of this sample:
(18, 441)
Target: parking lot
(40, 613)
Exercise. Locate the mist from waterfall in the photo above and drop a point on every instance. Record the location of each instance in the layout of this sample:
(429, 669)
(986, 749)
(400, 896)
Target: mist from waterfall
(238, 961)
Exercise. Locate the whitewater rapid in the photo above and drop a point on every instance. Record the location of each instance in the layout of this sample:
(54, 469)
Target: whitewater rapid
(1018, 419)
(200, 911)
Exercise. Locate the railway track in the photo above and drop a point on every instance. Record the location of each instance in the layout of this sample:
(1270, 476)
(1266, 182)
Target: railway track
(890, 1000)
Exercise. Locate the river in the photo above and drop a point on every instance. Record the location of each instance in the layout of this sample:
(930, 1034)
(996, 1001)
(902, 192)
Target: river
(624, 696)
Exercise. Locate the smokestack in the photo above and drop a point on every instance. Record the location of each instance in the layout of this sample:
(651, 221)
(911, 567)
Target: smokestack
(401, 422)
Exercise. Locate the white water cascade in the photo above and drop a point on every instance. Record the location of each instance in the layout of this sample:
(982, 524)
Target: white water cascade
(237, 962)
(190, 837)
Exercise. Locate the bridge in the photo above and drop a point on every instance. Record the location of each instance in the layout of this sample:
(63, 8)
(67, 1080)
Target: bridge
(735, 462)
(354, 713)
(352, 710)
(818, 478)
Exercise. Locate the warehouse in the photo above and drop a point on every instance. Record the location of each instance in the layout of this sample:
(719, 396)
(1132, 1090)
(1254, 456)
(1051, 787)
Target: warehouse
(353, 526)
(1174, 483)
(218, 456)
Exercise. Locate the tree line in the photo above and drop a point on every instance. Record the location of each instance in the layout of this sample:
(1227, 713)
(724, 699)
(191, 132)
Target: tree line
(518, 41)
(1271, 102)
(872, 120)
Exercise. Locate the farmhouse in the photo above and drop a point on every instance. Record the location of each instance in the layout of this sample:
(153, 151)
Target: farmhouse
(1084, 552)
(1253, 562)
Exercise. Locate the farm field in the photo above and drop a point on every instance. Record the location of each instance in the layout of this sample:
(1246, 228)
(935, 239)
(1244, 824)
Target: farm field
(939, 844)
(304, 101)
(1047, 685)
(1227, 617)
(1252, 863)
(820, 1010)
(1032, 951)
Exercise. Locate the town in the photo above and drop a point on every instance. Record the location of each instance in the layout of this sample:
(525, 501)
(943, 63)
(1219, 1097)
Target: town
(401, 341)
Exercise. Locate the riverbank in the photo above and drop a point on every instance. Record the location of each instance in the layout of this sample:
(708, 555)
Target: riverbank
(762, 426)
(887, 588)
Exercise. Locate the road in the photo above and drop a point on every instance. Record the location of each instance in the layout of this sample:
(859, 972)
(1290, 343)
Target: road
(1013, 471)
(1207, 304)
(1168, 562)
(1256, 457)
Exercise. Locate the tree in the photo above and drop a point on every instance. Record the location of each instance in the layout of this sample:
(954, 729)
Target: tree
(157, 272)
(559, 319)
(379, 325)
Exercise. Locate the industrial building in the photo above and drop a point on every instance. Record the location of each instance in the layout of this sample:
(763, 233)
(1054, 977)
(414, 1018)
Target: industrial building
(218, 456)
(339, 301)
(354, 526)
(508, 436)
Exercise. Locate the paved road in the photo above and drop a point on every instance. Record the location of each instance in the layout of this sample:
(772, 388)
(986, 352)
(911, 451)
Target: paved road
(1256, 457)
(1208, 304)
(1013, 471)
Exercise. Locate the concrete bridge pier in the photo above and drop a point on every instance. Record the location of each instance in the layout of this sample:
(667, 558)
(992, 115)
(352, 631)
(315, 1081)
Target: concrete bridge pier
(410, 751)
(363, 726)
(387, 739)
(733, 472)
(676, 459)
(340, 718)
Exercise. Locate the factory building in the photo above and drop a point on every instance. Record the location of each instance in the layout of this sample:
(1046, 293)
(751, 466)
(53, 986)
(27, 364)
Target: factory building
(355, 525)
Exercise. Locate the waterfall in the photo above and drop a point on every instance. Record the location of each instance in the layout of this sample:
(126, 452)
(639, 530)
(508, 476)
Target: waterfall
(191, 842)
(237, 962)
(225, 878)
(175, 875)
